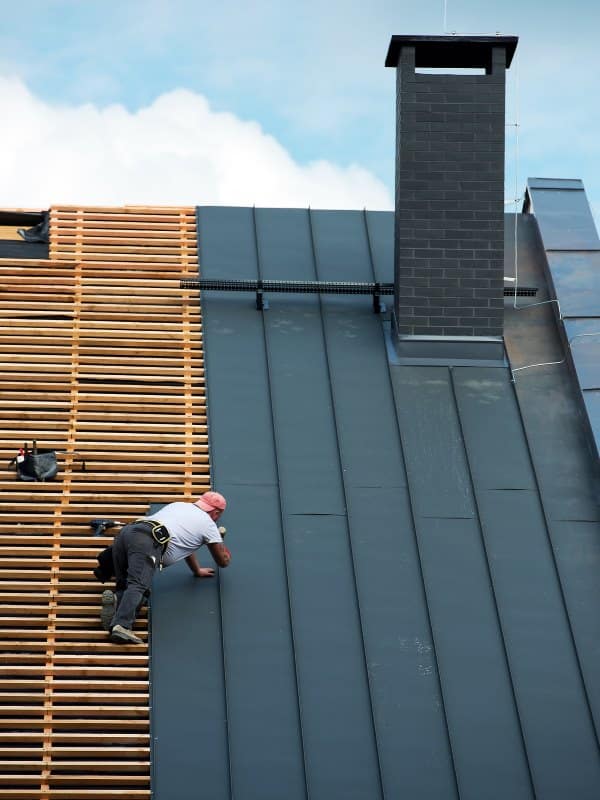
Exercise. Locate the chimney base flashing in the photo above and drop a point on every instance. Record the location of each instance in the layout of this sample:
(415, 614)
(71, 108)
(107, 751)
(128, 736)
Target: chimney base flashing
(447, 350)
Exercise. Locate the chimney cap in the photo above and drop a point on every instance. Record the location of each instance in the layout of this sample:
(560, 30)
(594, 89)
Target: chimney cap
(451, 51)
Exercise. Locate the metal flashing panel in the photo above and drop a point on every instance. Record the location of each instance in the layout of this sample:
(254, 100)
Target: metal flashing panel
(572, 246)
(564, 217)
(576, 278)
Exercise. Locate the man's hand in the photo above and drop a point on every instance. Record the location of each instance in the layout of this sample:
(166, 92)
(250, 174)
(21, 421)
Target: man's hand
(204, 572)
(198, 571)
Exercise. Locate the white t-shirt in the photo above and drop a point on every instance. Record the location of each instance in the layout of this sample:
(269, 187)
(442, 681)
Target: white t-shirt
(190, 528)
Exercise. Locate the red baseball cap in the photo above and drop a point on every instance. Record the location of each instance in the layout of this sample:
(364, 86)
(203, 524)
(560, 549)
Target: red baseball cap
(211, 501)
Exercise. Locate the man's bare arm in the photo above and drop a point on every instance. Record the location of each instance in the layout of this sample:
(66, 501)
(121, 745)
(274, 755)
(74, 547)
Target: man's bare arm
(199, 572)
(220, 553)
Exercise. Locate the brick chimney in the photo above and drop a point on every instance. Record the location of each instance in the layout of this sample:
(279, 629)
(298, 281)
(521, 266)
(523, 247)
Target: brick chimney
(449, 228)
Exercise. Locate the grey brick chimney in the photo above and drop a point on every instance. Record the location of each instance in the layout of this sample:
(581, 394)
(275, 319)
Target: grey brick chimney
(449, 229)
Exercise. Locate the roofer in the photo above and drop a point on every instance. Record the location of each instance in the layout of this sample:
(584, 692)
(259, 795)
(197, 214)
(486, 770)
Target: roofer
(159, 540)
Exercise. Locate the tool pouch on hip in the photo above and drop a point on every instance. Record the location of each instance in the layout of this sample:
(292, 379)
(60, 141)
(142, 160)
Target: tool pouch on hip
(160, 534)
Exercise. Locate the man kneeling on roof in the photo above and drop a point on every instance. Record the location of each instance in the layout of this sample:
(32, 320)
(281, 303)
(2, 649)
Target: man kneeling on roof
(159, 540)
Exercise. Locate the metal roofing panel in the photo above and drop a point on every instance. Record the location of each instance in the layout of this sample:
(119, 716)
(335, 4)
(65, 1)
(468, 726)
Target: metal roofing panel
(566, 223)
(565, 219)
(226, 247)
(410, 724)
(341, 245)
(226, 242)
(263, 716)
(551, 415)
(189, 728)
(380, 225)
(466, 628)
(483, 444)
(485, 735)
(584, 337)
(333, 687)
(304, 428)
(487, 404)
(356, 359)
(555, 183)
(576, 546)
(430, 430)
(284, 245)
(591, 398)
(561, 741)
(576, 279)
(300, 385)
(361, 391)
(557, 439)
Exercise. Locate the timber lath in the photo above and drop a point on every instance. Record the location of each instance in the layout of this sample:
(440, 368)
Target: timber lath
(102, 360)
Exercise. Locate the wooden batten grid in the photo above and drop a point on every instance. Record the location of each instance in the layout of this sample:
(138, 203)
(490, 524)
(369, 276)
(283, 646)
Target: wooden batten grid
(101, 360)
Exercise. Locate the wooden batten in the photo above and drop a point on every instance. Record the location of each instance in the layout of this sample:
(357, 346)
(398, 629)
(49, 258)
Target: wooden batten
(102, 360)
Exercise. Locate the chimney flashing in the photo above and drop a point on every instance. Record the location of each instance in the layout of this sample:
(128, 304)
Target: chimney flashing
(460, 52)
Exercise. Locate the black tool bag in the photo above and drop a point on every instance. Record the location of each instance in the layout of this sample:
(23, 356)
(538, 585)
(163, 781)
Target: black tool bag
(35, 465)
(105, 569)
(38, 464)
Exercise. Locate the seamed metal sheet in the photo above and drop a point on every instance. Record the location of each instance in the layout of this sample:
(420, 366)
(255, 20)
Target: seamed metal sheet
(576, 546)
(560, 737)
(333, 687)
(410, 721)
(466, 630)
(487, 439)
(591, 399)
(576, 279)
(189, 730)
(437, 471)
(236, 364)
(484, 724)
(584, 339)
(303, 424)
(564, 217)
(380, 225)
(356, 356)
(489, 414)
(408, 712)
(265, 740)
(342, 247)
(263, 715)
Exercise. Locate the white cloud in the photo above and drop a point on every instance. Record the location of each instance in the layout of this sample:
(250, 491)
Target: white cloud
(176, 151)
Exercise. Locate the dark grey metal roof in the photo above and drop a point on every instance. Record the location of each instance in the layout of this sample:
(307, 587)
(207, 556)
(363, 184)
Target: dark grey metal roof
(572, 250)
(412, 605)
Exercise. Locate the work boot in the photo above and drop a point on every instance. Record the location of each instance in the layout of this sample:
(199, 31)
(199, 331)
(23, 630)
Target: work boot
(109, 606)
(122, 635)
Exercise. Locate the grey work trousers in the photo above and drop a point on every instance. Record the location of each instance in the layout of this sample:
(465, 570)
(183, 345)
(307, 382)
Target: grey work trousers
(135, 556)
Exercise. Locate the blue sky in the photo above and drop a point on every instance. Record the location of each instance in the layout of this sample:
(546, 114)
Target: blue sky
(106, 92)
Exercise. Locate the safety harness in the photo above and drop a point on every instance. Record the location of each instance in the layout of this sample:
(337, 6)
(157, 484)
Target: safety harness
(159, 533)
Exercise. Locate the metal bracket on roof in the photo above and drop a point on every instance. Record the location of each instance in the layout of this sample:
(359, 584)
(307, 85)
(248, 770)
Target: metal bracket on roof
(378, 306)
(262, 304)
